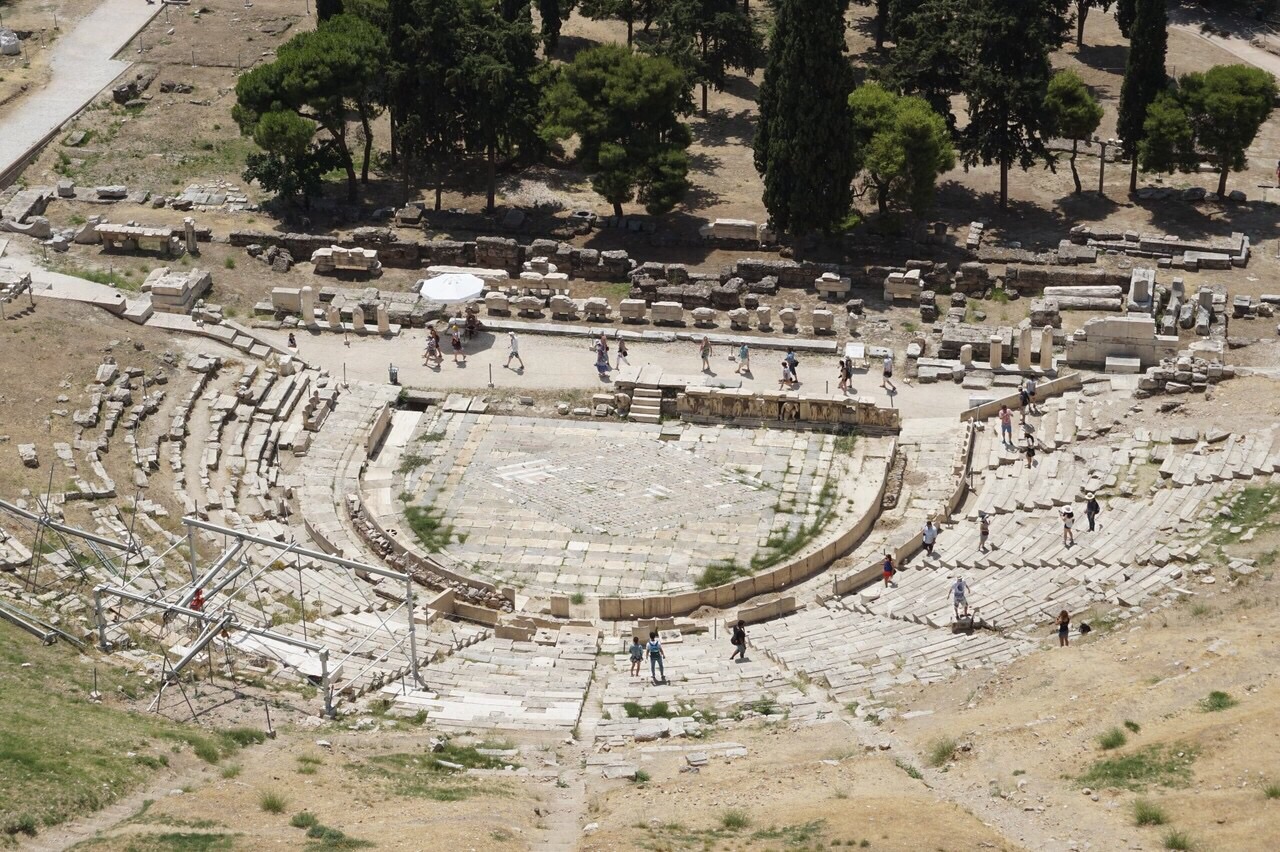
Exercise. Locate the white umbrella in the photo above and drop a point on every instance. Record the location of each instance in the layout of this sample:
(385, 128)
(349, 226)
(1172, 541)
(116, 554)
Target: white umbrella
(451, 287)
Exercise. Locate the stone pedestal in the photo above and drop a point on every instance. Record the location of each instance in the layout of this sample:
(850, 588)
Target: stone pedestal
(335, 317)
(763, 318)
(966, 355)
(1024, 349)
(306, 304)
(996, 345)
(384, 322)
(189, 233)
(1046, 348)
(357, 319)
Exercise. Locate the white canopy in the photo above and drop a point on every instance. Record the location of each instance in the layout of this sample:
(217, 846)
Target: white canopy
(451, 287)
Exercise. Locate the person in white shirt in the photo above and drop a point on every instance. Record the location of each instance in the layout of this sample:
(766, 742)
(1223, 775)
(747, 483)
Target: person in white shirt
(513, 350)
(930, 535)
(960, 596)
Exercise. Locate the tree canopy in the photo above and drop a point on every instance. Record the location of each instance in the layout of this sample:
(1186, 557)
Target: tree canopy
(901, 144)
(930, 51)
(804, 138)
(624, 108)
(1074, 113)
(1144, 76)
(1006, 83)
(1211, 116)
(708, 39)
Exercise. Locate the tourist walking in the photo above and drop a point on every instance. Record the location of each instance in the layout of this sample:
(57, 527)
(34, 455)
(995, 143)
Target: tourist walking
(984, 531)
(1091, 509)
(739, 641)
(1024, 402)
(602, 362)
(513, 350)
(887, 381)
(1031, 392)
(456, 342)
(929, 536)
(622, 354)
(704, 350)
(1006, 426)
(637, 656)
(656, 658)
(888, 570)
(1064, 629)
(788, 377)
(744, 360)
(960, 597)
(1030, 451)
(844, 377)
(1068, 522)
(793, 363)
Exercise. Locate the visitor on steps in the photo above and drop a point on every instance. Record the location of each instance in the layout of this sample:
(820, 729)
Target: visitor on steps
(929, 536)
(1064, 629)
(888, 570)
(739, 641)
(622, 354)
(1006, 426)
(637, 656)
(1068, 523)
(656, 657)
(984, 531)
(1091, 509)
(960, 596)
(1030, 450)
(704, 350)
(744, 360)
(887, 381)
(1031, 392)
(1024, 402)
(793, 363)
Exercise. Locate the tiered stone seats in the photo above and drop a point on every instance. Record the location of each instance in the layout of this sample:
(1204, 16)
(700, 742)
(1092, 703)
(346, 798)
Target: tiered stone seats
(503, 683)
(855, 655)
(700, 677)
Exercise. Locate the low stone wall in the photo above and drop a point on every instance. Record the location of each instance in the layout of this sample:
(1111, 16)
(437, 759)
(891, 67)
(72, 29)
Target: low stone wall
(787, 410)
(722, 597)
(1126, 337)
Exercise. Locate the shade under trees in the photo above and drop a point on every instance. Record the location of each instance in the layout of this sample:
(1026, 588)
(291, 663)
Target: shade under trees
(902, 145)
(1006, 83)
(1144, 77)
(1210, 117)
(624, 109)
(804, 138)
(627, 11)
(709, 39)
(1074, 113)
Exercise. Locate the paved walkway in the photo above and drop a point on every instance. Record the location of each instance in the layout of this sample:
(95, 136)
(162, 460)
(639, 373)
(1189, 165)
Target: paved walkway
(1234, 44)
(554, 363)
(80, 66)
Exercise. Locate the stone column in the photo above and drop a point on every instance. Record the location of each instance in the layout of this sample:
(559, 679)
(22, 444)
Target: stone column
(189, 231)
(1046, 348)
(1024, 349)
(335, 318)
(384, 323)
(966, 355)
(996, 345)
(357, 319)
(307, 300)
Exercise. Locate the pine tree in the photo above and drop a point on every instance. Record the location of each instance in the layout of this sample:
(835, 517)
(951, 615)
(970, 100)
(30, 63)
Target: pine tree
(1144, 77)
(804, 139)
(928, 58)
(1074, 113)
(903, 146)
(1006, 83)
(708, 38)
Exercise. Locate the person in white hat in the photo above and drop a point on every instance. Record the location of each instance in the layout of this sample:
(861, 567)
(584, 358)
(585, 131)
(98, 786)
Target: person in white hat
(513, 350)
(1091, 508)
(960, 596)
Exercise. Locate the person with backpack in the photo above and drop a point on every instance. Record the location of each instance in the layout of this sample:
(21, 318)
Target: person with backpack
(656, 658)
(739, 641)
(888, 570)
(984, 531)
(1091, 509)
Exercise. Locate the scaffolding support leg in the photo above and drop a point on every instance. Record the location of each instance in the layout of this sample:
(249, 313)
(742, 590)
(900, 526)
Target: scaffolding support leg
(326, 684)
(413, 634)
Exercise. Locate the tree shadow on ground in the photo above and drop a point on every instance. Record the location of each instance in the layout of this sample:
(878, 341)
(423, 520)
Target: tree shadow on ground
(1023, 221)
(722, 127)
(1104, 57)
(742, 87)
(1213, 218)
(571, 45)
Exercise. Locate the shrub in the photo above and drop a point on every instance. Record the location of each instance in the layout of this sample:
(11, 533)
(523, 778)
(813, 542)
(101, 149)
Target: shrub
(1271, 791)
(1148, 813)
(21, 824)
(231, 770)
(1177, 840)
(1132, 725)
(272, 802)
(304, 819)
(642, 777)
(734, 820)
(229, 263)
(941, 751)
(1113, 738)
(1216, 701)
(207, 751)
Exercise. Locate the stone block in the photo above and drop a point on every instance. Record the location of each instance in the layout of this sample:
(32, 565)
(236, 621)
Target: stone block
(596, 308)
(788, 317)
(563, 308)
(497, 304)
(704, 316)
(668, 313)
(823, 321)
(739, 319)
(632, 310)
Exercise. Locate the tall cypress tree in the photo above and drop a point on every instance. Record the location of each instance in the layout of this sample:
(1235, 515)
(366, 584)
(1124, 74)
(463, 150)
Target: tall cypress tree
(803, 144)
(1006, 83)
(1144, 76)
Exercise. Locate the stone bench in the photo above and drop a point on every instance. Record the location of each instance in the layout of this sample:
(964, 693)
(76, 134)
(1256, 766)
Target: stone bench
(1120, 364)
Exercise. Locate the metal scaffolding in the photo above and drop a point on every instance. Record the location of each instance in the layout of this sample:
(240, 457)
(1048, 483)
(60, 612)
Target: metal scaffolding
(219, 601)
